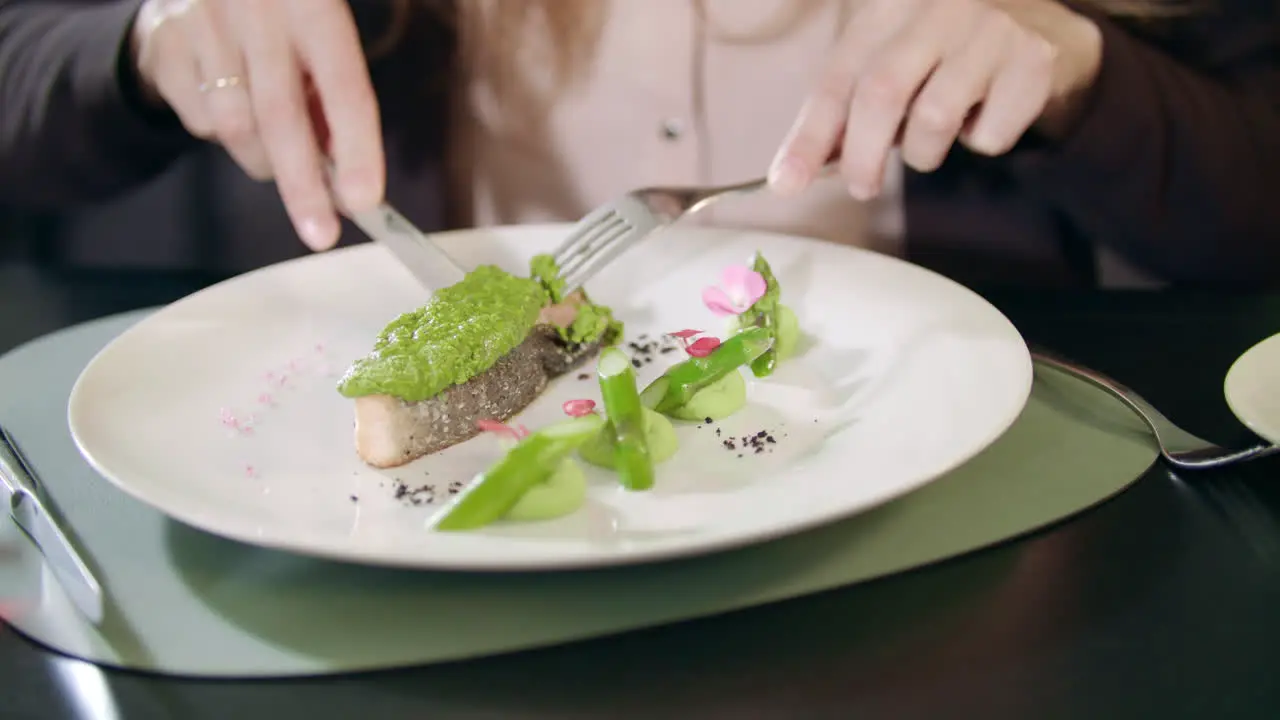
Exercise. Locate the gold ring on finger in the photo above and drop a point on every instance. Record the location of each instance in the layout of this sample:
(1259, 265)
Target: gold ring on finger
(221, 83)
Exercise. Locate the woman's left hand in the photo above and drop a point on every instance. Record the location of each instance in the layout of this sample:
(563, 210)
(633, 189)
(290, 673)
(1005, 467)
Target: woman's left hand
(924, 74)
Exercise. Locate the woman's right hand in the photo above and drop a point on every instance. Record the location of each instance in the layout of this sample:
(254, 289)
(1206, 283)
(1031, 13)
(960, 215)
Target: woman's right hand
(272, 81)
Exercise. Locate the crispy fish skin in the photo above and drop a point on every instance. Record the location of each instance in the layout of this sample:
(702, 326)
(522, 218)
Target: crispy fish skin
(390, 432)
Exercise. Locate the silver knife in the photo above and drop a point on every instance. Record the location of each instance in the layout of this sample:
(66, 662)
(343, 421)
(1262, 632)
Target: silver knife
(433, 268)
(29, 510)
(417, 252)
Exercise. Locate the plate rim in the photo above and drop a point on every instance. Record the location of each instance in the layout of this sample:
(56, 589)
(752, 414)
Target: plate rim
(1231, 382)
(618, 558)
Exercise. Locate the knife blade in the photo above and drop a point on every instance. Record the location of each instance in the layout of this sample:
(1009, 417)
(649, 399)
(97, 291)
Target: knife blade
(419, 254)
(433, 268)
(28, 509)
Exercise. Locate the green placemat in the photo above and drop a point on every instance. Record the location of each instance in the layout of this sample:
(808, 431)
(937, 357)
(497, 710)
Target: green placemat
(187, 603)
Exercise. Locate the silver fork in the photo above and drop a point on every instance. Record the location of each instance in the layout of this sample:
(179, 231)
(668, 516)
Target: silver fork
(607, 231)
(1177, 446)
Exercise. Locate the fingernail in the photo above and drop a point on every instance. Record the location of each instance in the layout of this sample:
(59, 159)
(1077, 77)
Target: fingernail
(787, 176)
(316, 235)
(861, 190)
(360, 191)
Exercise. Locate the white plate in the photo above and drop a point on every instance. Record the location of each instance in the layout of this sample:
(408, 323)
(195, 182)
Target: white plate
(1252, 388)
(906, 375)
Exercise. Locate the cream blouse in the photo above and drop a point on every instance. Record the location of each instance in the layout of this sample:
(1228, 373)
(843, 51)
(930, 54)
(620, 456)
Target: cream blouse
(674, 96)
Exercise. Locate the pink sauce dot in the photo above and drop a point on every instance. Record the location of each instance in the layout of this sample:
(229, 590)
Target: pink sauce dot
(250, 471)
(9, 608)
(266, 399)
(319, 347)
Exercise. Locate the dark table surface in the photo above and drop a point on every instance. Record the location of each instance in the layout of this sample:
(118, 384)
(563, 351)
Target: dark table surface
(1163, 602)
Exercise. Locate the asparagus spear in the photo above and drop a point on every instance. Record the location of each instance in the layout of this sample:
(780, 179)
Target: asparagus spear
(626, 418)
(532, 461)
(764, 314)
(683, 380)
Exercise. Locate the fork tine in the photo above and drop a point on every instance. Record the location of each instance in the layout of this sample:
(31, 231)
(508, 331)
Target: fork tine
(592, 243)
(610, 246)
(582, 232)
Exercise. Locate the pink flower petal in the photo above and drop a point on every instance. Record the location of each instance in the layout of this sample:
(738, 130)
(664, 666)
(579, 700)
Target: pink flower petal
(498, 428)
(579, 408)
(753, 288)
(703, 347)
(682, 334)
(735, 276)
(493, 426)
(718, 302)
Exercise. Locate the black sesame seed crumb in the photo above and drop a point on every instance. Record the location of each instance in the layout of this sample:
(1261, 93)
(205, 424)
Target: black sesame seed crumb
(757, 442)
(666, 350)
(355, 498)
(708, 420)
(635, 363)
(421, 495)
(584, 376)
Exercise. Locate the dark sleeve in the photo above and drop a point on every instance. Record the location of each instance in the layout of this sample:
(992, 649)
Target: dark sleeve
(1175, 163)
(72, 128)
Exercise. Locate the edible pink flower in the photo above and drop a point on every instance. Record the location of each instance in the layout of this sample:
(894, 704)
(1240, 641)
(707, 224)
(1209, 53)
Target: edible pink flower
(740, 288)
(579, 408)
(699, 348)
(515, 433)
(702, 347)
